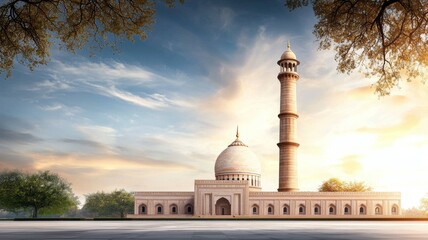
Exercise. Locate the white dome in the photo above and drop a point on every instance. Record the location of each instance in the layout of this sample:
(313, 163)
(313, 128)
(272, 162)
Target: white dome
(288, 54)
(237, 159)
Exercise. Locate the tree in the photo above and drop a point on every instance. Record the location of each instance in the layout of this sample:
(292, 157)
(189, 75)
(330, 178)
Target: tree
(11, 183)
(424, 205)
(414, 212)
(42, 192)
(386, 39)
(28, 28)
(115, 204)
(336, 185)
(331, 185)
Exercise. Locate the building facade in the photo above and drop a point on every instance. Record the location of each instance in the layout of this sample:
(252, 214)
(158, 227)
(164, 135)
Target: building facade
(236, 190)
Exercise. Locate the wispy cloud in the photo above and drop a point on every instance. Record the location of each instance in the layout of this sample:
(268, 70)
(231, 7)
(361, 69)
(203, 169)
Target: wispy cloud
(68, 111)
(389, 134)
(9, 136)
(108, 79)
(102, 72)
(82, 142)
(50, 85)
(148, 101)
(97, 133)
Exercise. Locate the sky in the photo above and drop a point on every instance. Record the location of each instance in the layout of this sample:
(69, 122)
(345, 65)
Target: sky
(155, 115)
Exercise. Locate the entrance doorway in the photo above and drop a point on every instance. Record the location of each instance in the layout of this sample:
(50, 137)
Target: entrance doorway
(222, 207)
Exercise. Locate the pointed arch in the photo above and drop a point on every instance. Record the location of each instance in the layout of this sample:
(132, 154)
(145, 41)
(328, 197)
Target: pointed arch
(159, 209)
(347, 210)
(255, 209)
(332, 209)
(223, 207)
(362, 210)
(317, 209)
(286, 209)
(378, 209)
(270, 209)
(173, 209)
(188, 209)
(142, 209)
(394, 209)
(302, 209)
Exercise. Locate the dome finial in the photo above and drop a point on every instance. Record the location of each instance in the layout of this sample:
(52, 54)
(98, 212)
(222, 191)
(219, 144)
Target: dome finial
(288, 45)
(237, 142)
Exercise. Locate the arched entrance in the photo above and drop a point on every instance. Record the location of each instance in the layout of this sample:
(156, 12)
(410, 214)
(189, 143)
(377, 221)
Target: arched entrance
(222, 207)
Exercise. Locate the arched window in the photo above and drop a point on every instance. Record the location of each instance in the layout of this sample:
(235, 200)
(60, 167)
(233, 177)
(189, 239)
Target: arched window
(363, 210)
(270, 209)
(255, 209)
(302, 210)
(378, 209)
(189, 209)
(332, 209)
(286, 210)
(173, 209)
(347, 210)
(143, 209)
(394, 210)
(317, 209)
(159, 209)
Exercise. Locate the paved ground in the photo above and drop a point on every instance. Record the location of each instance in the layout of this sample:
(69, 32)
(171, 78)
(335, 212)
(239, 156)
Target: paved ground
(213, 230)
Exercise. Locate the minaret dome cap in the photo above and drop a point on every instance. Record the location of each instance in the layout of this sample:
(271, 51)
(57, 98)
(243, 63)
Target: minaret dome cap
(288, 54)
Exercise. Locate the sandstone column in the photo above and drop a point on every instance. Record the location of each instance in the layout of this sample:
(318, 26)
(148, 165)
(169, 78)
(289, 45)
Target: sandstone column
(288, 117)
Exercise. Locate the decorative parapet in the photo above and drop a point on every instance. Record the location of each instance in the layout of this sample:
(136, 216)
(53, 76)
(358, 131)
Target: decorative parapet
(164, 194)
(327, 194)
(214, 182)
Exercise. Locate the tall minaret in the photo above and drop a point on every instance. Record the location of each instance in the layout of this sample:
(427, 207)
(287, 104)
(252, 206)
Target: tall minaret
(288, 117)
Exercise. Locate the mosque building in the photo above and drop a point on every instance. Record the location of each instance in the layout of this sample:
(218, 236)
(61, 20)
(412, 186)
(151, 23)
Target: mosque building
(236, 190)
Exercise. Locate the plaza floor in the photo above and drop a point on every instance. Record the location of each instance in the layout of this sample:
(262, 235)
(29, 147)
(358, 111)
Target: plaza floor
(213, 230)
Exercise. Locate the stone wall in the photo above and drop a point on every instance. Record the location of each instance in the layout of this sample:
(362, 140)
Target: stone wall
(147, 204)
(343, 204)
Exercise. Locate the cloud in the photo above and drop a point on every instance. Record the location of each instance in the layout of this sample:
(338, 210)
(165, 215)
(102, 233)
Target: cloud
(96, 133)
(83, 142)
(95, 172)
(68, 111)
(9, 136)
(108, 79)
(226, 17)
(15, 123)
(351, 165)
(53, 160)
(12, 160)
(52, 108)
(51, 85)
(111, 72)
(149, 102)
(389, 134)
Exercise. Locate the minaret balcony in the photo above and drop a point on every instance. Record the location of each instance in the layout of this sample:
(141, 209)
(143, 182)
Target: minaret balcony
(293, 75)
